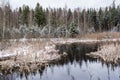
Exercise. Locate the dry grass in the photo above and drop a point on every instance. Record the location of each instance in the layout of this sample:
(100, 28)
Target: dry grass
(40, 50)
(108, 53)
(103, 35)
(29, 51)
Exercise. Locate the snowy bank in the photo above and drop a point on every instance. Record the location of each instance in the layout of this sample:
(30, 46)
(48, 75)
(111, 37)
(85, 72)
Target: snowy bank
(108, 52)
(41, 46)
(21, 53)
(32, 50)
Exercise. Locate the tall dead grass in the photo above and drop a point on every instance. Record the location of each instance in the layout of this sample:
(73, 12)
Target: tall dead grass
(108, 53)
(102, 35)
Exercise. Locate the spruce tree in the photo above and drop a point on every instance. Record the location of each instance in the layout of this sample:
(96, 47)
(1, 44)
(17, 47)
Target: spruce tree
(39, 15)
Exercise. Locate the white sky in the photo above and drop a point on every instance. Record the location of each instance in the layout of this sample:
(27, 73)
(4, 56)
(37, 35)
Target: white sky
(61, 3)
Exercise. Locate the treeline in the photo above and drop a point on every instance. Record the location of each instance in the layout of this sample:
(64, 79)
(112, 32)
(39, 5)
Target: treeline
(60, 22)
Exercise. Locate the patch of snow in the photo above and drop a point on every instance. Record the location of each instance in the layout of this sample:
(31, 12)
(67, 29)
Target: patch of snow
(26, 48)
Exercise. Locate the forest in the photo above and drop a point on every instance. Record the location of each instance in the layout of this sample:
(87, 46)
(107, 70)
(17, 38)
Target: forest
(25, 22)
(38, 43)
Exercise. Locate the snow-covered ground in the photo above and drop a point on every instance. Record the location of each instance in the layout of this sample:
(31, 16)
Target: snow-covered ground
(30, 50)
(23, 52)
(108, 53)
(73, 40)
(42, 46)
(43, 50)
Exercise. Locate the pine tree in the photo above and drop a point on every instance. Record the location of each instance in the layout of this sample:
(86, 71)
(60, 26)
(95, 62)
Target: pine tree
(73, 29)
(25, 15)
(95, 20)
(69, 17)
(53, 18)
(1, 22)
(39, 15)
(100, 16)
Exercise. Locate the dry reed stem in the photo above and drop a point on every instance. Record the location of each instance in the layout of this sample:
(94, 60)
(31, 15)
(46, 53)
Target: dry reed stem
(103, 35)
(108, 53)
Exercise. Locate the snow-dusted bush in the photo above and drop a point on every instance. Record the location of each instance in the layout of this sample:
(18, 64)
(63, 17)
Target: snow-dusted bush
(118, 27)
(114, 29)
(7, 33)
(61, 32)
(44, 31)
(91, 30)
(24, 30)
(52, 31)
(73, 30)
(34, 31)
(15, 33)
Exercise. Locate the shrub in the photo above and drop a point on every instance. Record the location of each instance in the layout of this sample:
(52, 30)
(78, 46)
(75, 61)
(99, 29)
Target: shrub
(73, 30)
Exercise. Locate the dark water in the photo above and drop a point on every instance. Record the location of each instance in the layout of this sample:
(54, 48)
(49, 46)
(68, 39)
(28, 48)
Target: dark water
(76, 66)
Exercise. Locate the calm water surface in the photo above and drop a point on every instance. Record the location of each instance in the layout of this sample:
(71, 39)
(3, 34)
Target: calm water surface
(72, 70)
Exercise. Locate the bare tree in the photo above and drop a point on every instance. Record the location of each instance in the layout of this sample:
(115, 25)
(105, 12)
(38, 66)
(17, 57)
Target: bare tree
(84, 12)
(3, 7)
(49, 22)
(78, 11)
(30, 20)
(66, 21)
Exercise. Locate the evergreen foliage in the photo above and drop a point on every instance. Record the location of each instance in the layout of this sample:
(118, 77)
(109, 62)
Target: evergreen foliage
(73, 30)
(39, 16)
(58, 21)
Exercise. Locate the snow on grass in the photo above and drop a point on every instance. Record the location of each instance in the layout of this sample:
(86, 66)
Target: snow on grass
(73, 40)
(108, 53)
(30, 50)
(40, 49)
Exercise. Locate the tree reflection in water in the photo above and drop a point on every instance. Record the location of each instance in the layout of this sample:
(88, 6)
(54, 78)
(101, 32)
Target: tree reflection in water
(76, 66)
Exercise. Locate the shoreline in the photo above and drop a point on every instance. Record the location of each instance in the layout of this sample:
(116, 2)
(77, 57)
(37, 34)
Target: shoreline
(28, 55)
(109, 53)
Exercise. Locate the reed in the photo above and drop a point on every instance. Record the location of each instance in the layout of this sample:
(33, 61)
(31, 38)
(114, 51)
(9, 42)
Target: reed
(101, 35)
(108, 52)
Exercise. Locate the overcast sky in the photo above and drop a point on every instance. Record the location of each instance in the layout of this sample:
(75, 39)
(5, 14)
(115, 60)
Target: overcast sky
(61, 3)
